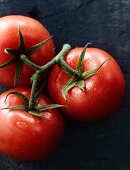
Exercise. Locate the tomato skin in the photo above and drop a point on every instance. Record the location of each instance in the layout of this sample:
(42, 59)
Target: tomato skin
(27, 137)
(33, 33)
(104, 90)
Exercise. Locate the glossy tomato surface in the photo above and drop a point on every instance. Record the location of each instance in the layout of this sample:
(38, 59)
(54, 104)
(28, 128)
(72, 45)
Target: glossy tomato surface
(24, 136)
(33, 32)
(103, 91)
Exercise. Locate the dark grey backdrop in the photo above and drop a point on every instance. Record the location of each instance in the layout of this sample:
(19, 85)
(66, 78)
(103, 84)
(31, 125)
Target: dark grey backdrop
(98, 146)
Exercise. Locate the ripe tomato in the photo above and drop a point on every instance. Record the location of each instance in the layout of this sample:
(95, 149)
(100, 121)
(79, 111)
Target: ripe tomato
(103, 91)
(33, 32)
(24, 136)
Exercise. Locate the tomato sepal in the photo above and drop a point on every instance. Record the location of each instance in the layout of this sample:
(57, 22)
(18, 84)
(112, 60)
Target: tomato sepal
(18, 70)
(78, 77)
(71, 83)
(21, 55)
(35, 110)
(35, 47)
(47, 107)
(79, 67)
(11, 61)
(15, 108)
(89, 73)
(23, 97)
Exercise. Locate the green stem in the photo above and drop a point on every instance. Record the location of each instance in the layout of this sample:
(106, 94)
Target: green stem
(42, 69)
(33, 90)
(25, 59)
(64, 66)
(58, 59)
(67, 69)
(66, 48)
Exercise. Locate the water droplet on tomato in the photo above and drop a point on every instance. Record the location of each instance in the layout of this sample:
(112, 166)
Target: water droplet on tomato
(47, 115)
(21, 125)
(89, 85)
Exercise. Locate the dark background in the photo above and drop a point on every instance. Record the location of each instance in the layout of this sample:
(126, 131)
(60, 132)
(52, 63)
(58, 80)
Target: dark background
(102, 145)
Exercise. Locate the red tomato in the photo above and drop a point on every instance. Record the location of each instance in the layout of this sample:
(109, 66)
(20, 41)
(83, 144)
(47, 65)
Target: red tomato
(24, 136)
(33, 32)
(103, 91)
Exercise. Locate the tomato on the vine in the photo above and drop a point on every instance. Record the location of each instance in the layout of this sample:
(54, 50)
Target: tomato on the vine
(33, 33)
(25, 136)
(102, 93)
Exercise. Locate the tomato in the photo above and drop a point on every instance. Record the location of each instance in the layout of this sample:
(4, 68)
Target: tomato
(24, 136)
(103, 91)
(33, 32)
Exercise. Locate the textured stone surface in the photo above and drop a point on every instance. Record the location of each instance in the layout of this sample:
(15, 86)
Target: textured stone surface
(103, 145)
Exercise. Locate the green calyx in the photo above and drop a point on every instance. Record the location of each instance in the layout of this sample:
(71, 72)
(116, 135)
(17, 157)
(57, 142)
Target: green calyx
(37, 109)
(19, 56)
(31, 105)
(78, 76)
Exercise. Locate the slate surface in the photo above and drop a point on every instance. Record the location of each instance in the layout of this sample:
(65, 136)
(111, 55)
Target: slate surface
(98, 146)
